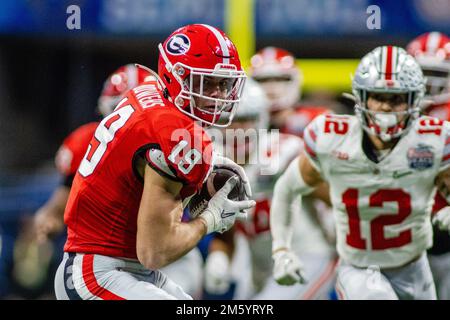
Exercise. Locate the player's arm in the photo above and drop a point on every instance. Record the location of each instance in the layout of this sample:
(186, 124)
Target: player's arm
(161, 236)
(49, 219)
(224, 242)
(218, 262)
(299, 179)
(442, 217)
(322, 192)
(443, 183)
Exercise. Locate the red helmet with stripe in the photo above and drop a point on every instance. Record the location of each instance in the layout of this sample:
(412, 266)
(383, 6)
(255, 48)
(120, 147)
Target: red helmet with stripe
(118, 83)
(432, 52)
(275, 70)
(202, 74)
(388, 69)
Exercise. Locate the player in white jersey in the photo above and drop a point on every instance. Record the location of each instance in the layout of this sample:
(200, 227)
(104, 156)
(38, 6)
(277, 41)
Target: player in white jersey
(265, 156)
(432, 52)
(383, 166)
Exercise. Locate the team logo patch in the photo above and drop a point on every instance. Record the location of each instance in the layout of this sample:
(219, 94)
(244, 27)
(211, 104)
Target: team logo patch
(420, 157)
(178, 44)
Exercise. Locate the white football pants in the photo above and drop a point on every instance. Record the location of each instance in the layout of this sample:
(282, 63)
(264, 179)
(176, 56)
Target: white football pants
(411, 282)
(440, 267)
(97, 277)
(187, 272)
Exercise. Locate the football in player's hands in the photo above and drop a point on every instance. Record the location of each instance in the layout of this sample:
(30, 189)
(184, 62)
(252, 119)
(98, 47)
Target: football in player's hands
(216, 180)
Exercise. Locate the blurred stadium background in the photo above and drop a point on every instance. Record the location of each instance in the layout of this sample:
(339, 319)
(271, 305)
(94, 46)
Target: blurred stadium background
(50, 79)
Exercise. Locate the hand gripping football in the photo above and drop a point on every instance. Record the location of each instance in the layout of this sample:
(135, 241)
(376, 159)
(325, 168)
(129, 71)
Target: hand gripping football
(216, 180)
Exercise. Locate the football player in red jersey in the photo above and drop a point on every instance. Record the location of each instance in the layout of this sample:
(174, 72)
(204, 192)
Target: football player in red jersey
(432, 52)
(49, 219)
(144, 162)
(275, 69)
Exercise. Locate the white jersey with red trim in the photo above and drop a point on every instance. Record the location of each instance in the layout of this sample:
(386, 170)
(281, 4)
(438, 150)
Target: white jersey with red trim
(382, 210)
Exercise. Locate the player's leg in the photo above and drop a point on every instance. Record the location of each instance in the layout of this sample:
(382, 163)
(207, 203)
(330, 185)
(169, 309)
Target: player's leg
(440, 266)
(64, 289)
(319, 270)
(414, 281)
(362, 284)
(164, 283)
(187, 272)
(239, 273)
(99, 277)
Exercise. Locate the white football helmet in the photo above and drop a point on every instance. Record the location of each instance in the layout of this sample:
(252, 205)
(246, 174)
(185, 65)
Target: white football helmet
(254, 105)
(252, 114)
(388, 69)
(275, 70)
(432, 52)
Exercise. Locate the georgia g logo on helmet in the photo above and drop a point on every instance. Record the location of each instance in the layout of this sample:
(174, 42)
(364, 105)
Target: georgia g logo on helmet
(178, 44)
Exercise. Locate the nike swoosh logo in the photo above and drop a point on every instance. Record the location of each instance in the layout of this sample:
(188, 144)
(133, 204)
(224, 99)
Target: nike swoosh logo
(397, 174)
(226, 214)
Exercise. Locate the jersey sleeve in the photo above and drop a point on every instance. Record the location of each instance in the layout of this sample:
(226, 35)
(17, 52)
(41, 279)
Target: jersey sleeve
(182, 154)
(71, 152)
(310, 138)
(445, 161)
(290, 148)
(63, 160)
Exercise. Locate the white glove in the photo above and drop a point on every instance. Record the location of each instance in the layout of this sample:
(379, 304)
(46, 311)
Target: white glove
(442, 219)
(224, 162)
(221, 212)
(288, 269)
(217, 273)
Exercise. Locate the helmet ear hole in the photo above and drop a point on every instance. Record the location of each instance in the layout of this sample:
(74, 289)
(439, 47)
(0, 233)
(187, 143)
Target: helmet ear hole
(167, 78)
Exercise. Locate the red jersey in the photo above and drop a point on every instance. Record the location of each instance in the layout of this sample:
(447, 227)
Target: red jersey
(73, 149)
(296, 123)
(101, 213)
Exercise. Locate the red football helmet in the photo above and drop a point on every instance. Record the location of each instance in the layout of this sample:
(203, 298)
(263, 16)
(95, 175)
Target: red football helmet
(118, 83)
(275, 70)
(432, 52)
(202, 73)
